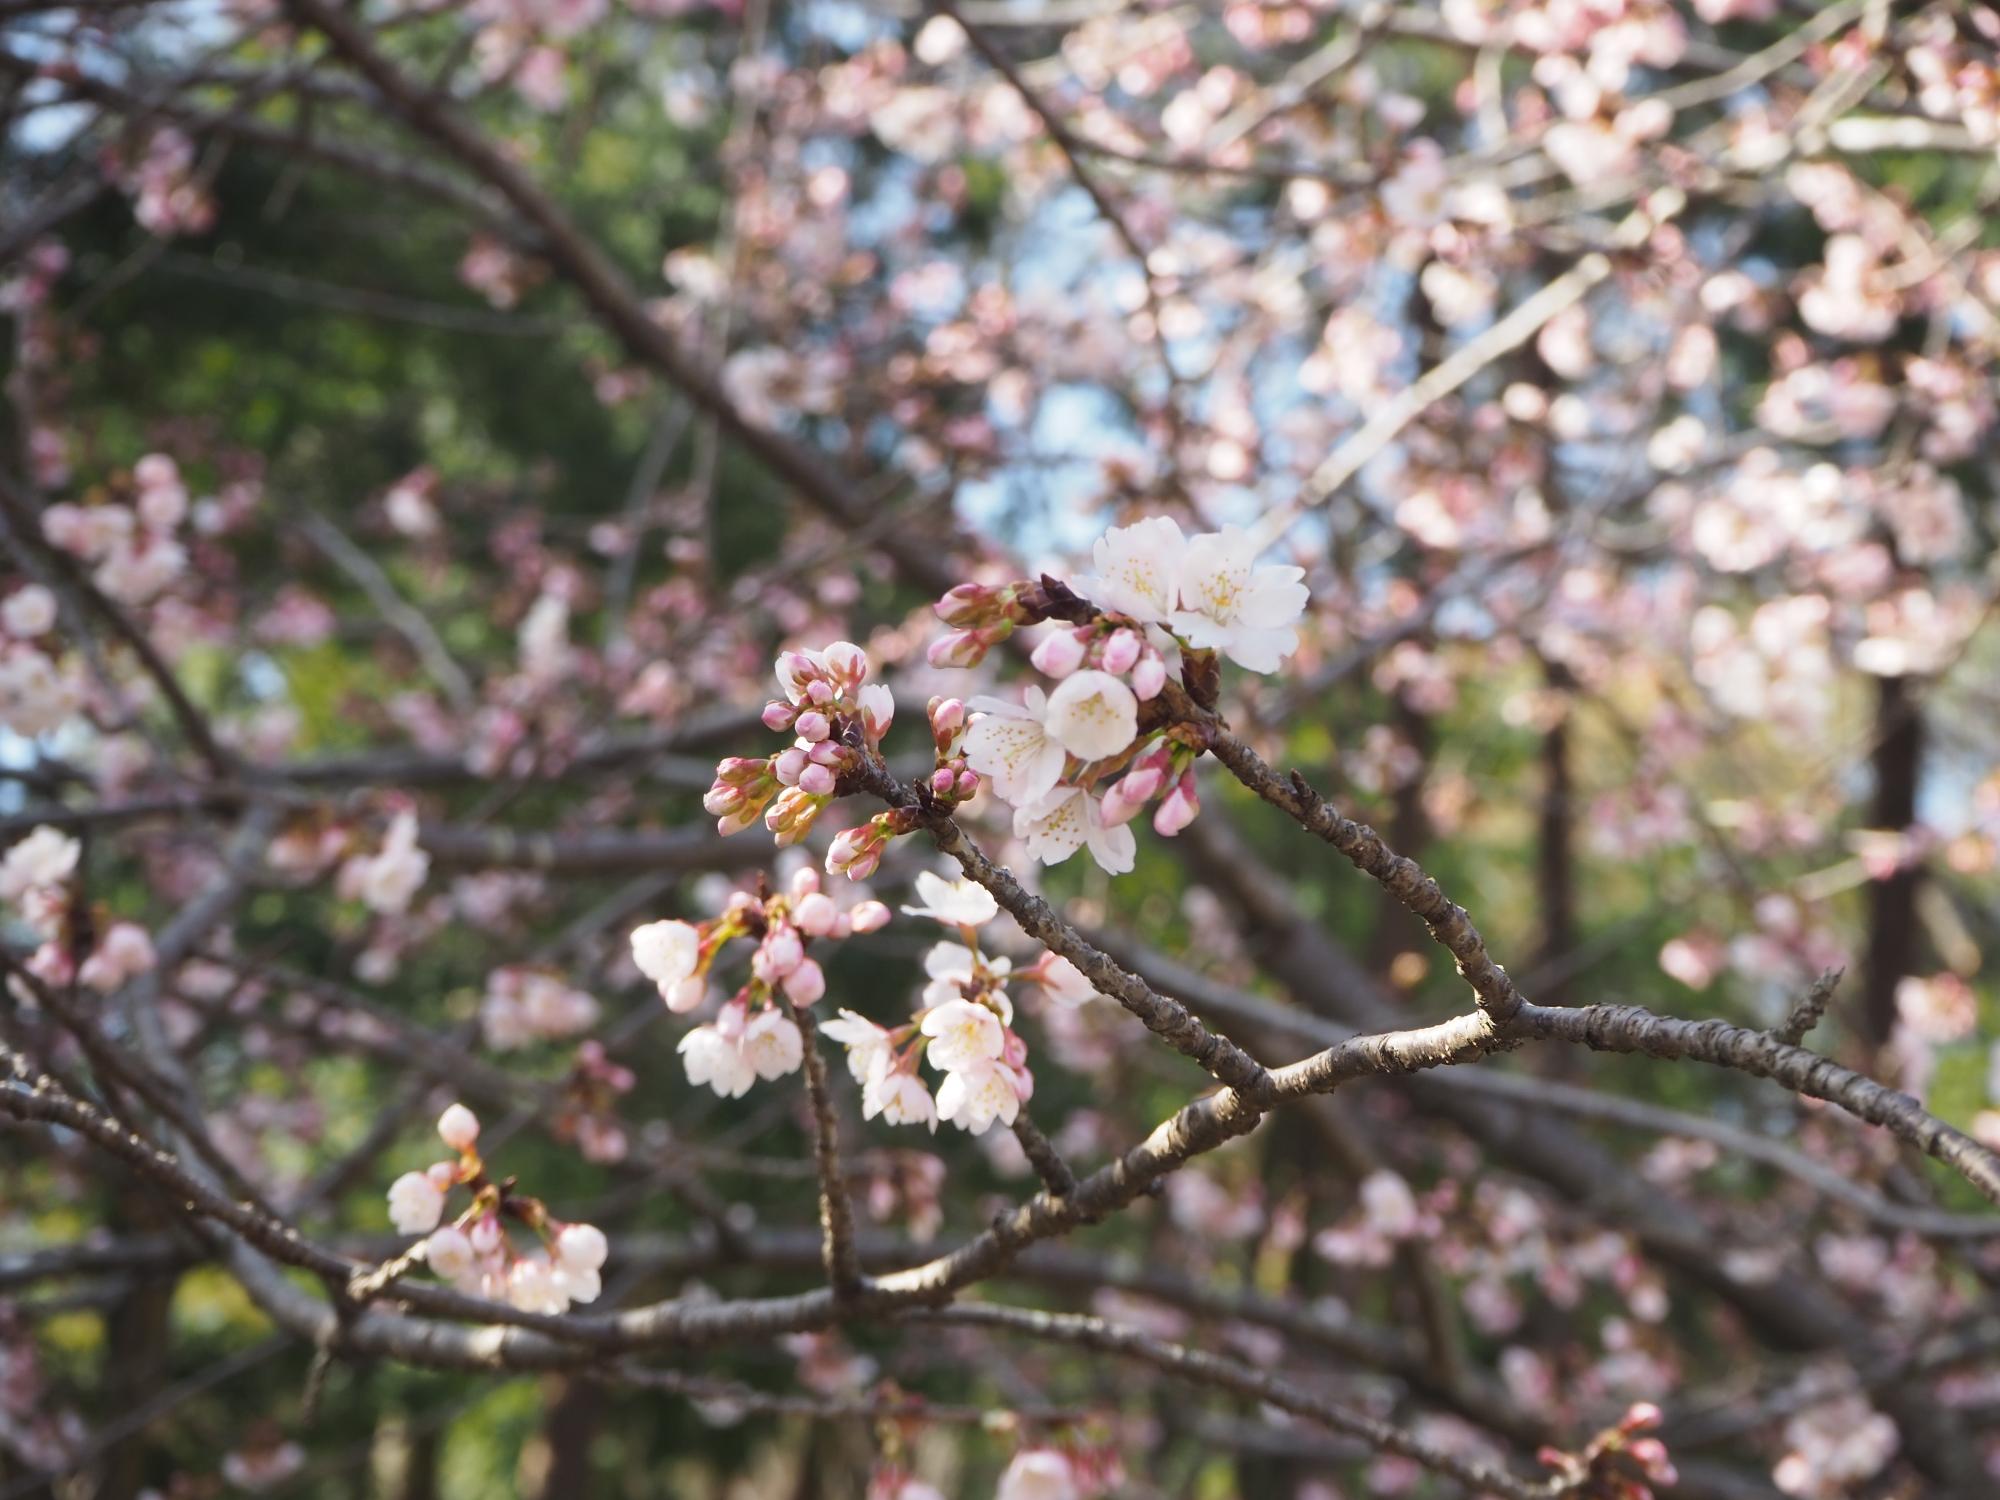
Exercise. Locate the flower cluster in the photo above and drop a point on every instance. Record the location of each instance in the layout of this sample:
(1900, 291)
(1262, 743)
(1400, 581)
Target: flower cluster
(833, 717)
(475, 1252)
(525, 1005)
(1617, 1464)
(753, 1037)
(38, 879)
(587, 1113)
(963, 1028)
(132, 548)
(38, 694)
(1159, 602)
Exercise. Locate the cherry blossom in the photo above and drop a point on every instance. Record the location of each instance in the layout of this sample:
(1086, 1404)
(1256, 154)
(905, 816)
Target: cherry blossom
(955, 903)
(1010, 744)
(1092, 715)
(1065, 821)
(1233, 603)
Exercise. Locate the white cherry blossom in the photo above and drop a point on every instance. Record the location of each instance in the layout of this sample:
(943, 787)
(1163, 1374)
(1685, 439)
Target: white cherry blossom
(1138, 569)
(1009, 746)
(973, 1097)
(956, 903)
(1068, 819)
(963, 1034)
(868, 1045)
(1234, 604)
(899, 1097)
(772, 1045)
(717, 1061)
(1092, 715)
(666, 952)
(415, 1204)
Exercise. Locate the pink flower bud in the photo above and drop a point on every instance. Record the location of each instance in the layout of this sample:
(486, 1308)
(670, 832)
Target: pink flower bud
(683, 995)
(1149, 676)
(869, 916)
(442, 1174)
(828, 753)
(1013, 1051)
(485, 1234)
(1652, 1456)
(1179, 809)
(947, 720)
(820, 693)
(943, 780)
(814, 726)
(458, 1127)
(1059, 654)
(968, 785)
(787, 766)
(781, 952)
(805, 880)
(817, 779)
(815, 912)
(1127, 795)
(744, 817)
(878, 711)
(720, 801)
(855, 852)
(975, 604)
(967, 648)
(1641, 1416)
(778, 715)
(1121, 652)
(806, 983)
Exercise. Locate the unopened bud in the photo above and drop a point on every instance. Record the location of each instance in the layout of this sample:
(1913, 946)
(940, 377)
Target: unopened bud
(1121, 652)
(1059, 654)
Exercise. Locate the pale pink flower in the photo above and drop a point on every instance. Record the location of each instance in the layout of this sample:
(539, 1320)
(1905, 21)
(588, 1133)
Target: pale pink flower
(1065, 821)
(1092, 715)
(1009, 744)
(415, 1204)
(1235, 605)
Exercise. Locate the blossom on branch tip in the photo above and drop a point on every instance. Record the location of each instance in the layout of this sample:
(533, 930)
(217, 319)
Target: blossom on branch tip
(458, 1127)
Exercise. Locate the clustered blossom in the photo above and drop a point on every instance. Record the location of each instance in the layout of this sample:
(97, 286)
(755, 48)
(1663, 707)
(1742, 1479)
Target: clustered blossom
(132, 547)
(963, 1027)
(476, 1251)
(1078, 762)
(833, 717)
(39, 693)
(753, 1036)
(79, 945)
(525, 1005)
